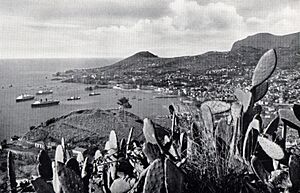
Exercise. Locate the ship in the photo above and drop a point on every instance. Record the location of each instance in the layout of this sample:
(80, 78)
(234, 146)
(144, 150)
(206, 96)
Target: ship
(45, 103)
(73, 98)
(44, 92)
(94, 94)
(24, 97)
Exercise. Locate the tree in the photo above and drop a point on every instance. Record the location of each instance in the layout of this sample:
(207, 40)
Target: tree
(124, 104)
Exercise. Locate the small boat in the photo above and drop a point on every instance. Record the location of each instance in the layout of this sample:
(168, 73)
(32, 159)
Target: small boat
(45, 103)
(73, 98)
(24, 97)
(43, 92)
(94, 93)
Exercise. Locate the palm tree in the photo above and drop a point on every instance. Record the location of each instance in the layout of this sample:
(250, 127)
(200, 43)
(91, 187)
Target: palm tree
(124, 104)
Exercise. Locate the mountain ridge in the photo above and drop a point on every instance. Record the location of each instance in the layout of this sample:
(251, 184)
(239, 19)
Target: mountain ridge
(269, 41)
(146, 68)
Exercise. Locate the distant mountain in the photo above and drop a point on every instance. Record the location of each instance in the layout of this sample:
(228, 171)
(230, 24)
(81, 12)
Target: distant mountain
(149, 68)
(269, 41)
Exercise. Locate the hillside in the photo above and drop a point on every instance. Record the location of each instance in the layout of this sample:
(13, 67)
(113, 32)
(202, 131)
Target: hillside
(269, 41)
(86, 127)
(145, 68)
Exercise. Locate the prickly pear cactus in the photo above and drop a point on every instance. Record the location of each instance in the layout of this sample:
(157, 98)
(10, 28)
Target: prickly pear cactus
(273, 150)
(207, 118)
(260, 91)
(217, 107)
(183, 145)
(265, 67)
(73, 165)
(80, 158)
(97, 155)
(86, 173)
(250, 140)
(63, 145)
(151, 151)
(237, 115)
(245, 98)
(272, 127)
(44, 166)
(294, 169)
(12, 183)
(175, 131)
(122, 147)
(149, 132)
(59, 154)
(121, 185)
(69, 180)
(288, 117)
(55, 180)
(41, 186)
(68, 154)
(174, 177)
(223, 135)
(129, 140)
(113, 141)
(154, 181)
(296, 109)
(259, 169)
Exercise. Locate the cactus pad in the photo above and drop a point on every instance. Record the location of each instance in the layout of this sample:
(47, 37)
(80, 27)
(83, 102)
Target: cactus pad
(259, 169)
(265, 67)
(245, 98)
(113, 142)
(207, 118)
(224, 131)
(97, 155)
(59, 154)
(174, 177)
(11, 172)
(296, 109)
(151, 151)
(69, 180)
(84, 168)
(260, 91)
(129, 139)
(123, 146)
(183, 145)
(73, 165)
(63, 145)
(272, 127)
(149, 132)
(250, 139)
(289, 118)
(154, 181)
(120, 185)
(294, 169)
(272, 149)
(44, 166)
(236, 110)
(41, 186)
(80, 158)
(55, 180)
(217, 107)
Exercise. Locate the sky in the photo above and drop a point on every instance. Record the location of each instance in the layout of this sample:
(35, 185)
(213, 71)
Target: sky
(116, 28)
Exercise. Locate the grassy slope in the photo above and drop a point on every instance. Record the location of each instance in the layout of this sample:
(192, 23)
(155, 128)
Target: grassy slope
(88, 127)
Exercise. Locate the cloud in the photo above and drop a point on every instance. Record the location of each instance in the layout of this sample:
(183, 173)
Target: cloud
(113, 28)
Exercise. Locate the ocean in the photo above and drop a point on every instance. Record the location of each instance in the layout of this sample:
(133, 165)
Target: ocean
(19, 76)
